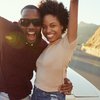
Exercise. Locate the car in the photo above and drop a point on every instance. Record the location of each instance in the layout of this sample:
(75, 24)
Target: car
(82, 88)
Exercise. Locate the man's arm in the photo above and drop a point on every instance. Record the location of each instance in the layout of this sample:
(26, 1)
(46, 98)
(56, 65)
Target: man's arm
(67, 87)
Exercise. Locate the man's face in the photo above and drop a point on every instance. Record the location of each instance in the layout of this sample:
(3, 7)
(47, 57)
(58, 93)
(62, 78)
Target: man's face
(30, 24)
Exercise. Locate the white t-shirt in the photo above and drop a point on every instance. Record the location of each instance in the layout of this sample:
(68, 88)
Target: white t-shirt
(52, 64)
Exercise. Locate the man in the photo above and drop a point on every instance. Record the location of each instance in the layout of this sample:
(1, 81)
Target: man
(20, 46)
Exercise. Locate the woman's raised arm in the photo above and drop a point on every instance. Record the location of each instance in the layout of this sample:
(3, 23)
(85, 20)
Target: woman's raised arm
(73, 21)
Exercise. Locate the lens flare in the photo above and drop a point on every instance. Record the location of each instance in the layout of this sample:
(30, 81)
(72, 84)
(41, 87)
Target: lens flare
(15, 40)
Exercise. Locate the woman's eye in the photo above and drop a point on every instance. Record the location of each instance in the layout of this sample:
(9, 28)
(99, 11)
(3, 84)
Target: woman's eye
(53, 26)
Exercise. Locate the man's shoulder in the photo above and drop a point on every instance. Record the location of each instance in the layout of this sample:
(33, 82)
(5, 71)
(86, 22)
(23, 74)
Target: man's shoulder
(43, 44)
(5, 22)
(7, 26)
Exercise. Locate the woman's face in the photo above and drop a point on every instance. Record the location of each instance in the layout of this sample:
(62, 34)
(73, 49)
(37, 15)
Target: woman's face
(52, 29)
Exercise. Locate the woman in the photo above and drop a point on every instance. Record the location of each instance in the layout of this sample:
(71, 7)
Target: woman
(52, 63)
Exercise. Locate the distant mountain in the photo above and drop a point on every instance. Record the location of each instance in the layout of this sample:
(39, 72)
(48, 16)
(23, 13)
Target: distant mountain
(85, 31)
(92, 46)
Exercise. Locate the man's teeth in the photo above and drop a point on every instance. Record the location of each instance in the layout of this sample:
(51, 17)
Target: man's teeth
(49, 36)
(31, 32)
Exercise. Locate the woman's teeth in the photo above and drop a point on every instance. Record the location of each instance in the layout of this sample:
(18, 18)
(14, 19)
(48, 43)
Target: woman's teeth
(50, 35)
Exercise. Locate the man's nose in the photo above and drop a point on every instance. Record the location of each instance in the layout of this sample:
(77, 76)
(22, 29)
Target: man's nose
(31, 25)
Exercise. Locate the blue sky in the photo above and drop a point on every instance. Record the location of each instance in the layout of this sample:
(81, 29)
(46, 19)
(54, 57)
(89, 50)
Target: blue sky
(89, 10)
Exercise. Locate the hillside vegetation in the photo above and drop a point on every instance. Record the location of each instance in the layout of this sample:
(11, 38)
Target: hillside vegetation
(85, 31)
(92, 46)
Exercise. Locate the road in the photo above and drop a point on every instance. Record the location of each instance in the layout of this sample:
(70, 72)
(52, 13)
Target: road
(87, 65)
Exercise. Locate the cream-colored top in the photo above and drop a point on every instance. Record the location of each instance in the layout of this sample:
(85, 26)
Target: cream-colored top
(52, 63)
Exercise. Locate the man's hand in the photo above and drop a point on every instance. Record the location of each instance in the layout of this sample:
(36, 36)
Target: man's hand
(66, 88)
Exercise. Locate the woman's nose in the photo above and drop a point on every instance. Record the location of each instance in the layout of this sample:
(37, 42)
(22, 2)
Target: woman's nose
(48, 30)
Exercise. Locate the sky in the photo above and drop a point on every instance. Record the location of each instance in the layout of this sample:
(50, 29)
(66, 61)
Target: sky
(89, 10)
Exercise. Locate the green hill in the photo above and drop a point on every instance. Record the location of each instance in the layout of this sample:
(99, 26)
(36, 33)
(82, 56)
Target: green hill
(92, 46)
(85, 31)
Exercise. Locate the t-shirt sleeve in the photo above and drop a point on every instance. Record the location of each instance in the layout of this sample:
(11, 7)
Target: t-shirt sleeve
(65, 43)
(70, 47)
